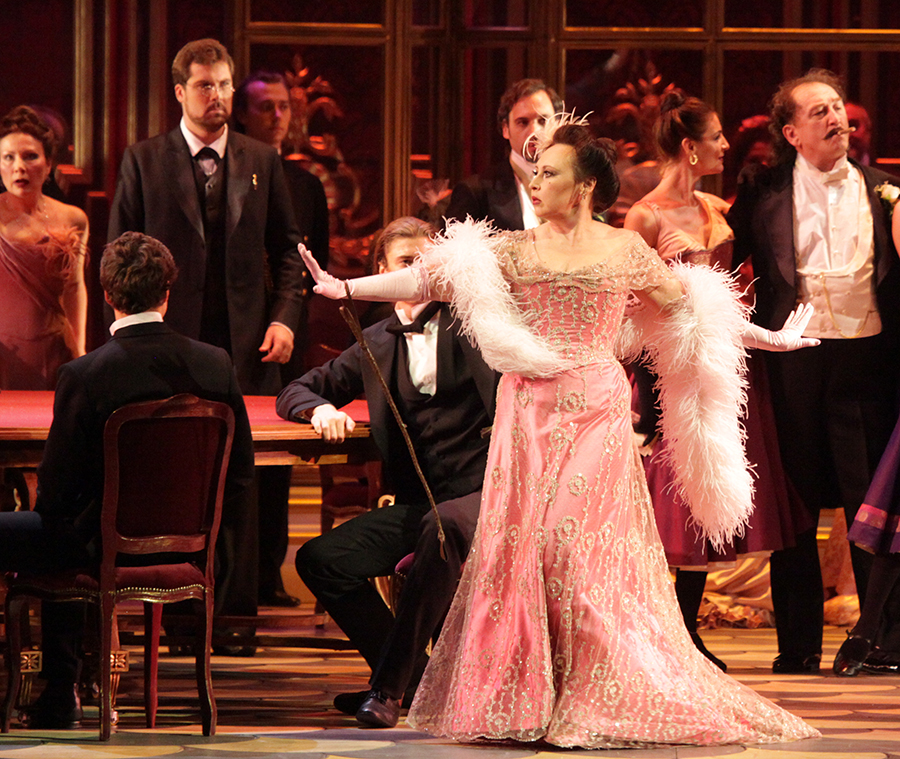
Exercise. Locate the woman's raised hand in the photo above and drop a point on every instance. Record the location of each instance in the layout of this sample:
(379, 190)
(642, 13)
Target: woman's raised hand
(327, 285)
(788, 338)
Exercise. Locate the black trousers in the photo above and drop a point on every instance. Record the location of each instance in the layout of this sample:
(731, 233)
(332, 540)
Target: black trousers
(274, 488)
(27, 545)
(337, 566)
(835, 407)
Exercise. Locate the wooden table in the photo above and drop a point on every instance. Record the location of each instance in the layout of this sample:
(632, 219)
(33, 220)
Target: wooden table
(25, 418)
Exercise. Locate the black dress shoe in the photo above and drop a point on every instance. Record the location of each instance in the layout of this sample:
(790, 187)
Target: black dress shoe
(57, 708)
(792, 664)
(880, 662)
(379, 710)
(224, 648)
(349, 703)
(279, 598)
(698, 642)
(851, 655)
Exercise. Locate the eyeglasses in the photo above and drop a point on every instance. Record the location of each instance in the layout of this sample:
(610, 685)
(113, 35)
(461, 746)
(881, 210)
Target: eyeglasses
(210, 90)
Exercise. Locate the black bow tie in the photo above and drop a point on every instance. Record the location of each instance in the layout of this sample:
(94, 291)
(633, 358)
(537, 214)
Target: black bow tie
(208, 160)
(418, 324)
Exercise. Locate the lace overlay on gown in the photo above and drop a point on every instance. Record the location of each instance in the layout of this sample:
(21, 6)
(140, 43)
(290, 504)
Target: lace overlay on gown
(565, 625)
(35, 336)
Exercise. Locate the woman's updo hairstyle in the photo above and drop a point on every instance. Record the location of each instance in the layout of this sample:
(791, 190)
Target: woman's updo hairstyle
(24, 119)
(595, 158)
(680, 116)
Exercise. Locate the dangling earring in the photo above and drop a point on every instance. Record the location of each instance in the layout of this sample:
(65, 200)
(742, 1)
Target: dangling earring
(692, 159)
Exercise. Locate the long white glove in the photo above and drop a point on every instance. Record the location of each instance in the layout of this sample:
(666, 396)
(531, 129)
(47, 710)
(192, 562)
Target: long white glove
(409, 284)
(788, 338)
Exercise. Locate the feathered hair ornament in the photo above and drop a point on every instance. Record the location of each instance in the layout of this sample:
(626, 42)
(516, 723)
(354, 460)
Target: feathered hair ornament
(541, 139)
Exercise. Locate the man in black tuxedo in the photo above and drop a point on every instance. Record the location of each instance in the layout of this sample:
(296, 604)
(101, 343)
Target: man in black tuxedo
(817, 233)
(219, 201)
(445, 393)
(501, 194)
(262, 110)
(144, 360)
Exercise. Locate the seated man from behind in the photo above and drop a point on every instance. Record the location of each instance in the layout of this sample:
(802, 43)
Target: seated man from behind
(445, 393)
(144, 360)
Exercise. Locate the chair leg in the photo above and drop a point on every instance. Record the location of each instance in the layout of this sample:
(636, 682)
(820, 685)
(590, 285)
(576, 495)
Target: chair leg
(152, 624)
(107, 611)
(118, 664)
(203, 645)
(13, 621)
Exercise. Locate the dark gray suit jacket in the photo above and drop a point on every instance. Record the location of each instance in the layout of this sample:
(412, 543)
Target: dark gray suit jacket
(491, 195)
(157, 194)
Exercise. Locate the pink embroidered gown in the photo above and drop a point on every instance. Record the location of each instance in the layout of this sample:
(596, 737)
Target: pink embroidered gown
(35, 336)
(565, 626)
(779, 514)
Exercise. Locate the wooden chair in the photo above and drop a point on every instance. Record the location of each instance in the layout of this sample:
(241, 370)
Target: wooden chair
(165, 464)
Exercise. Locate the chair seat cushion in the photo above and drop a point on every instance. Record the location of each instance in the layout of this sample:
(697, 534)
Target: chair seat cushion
(405, 564)
(159, 577)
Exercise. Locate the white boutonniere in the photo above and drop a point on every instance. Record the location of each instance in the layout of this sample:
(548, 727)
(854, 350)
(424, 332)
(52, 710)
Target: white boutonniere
(889, 195)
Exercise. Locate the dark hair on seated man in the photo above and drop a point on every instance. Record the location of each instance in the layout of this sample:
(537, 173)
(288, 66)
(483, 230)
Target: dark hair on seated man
(136, 272)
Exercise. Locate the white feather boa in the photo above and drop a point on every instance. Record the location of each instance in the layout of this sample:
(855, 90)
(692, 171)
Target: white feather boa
(695, 347)
(464, 261)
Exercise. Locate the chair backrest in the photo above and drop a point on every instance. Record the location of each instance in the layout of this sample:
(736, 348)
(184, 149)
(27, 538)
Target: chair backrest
(165, 464)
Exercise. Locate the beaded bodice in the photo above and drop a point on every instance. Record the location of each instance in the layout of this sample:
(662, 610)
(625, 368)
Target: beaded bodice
(579, 312)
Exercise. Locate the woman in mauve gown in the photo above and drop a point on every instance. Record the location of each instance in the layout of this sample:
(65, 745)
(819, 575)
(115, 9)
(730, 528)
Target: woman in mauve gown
(684, 224)
(565, 627)
(43, 299)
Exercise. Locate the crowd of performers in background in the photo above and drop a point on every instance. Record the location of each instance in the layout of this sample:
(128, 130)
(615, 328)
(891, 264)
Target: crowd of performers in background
(556, 589)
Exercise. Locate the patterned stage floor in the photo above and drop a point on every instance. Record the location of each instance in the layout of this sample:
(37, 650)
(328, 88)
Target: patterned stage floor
(278, 704)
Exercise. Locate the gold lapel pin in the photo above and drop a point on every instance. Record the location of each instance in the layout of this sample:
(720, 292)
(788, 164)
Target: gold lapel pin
(255, 183)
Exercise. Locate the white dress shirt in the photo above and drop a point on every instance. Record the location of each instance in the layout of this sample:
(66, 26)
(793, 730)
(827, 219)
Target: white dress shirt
(195, 144)
(834, 250)
(145, 317)
(421, 349)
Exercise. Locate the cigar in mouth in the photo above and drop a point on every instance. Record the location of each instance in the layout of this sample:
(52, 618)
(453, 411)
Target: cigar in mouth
(843, 130)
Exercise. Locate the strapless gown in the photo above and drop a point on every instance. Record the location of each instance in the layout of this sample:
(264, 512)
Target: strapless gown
(778, 514)
(565, 626)
(35, 336)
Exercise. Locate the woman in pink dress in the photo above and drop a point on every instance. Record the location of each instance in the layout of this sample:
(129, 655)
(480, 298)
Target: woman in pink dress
(565, 626)
(684, 224)
(43, 299)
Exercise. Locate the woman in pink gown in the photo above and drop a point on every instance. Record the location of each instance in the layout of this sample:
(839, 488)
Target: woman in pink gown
(565, 626)
(686, 225)
(43, 299)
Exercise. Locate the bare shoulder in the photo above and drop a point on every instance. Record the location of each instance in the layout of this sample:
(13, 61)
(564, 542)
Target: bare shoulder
(615, 237)
(714, 201)
(642, 219)
(66, 215)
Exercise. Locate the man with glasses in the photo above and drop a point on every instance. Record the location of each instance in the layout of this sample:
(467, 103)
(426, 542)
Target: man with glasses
(218, 200)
